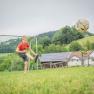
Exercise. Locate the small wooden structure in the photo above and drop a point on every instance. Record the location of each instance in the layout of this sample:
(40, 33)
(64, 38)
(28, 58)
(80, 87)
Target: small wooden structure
(54, 60)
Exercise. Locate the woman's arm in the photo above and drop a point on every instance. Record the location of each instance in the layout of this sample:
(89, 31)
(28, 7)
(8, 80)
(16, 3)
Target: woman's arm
(32, 52)
(18, 51)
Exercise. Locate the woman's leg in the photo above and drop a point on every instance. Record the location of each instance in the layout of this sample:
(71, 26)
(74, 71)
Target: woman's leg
(25, 66)
(31, 57)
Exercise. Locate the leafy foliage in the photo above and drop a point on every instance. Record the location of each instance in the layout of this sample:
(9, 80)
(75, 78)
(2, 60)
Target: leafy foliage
(67, 35)
(55, 48)
(45, 41)
(92, 46)
(9, 46)
(75, 46)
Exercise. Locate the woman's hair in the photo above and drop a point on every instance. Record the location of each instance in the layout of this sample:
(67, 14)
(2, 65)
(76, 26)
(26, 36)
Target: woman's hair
(24, 37)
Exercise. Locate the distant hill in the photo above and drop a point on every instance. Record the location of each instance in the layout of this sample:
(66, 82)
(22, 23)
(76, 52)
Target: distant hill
(88, 37)
(8, 44)
(49, 34)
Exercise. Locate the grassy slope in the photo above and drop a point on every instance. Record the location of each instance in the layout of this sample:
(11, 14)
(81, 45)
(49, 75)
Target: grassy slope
(78, 80)
(84, 40)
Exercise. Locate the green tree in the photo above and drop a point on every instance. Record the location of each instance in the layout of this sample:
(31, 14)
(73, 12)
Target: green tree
(55, 48)
(92, 46)
(65, 49)
(57, 37)
(45, 41)
(40, 48)
(67, 35)
(9, 46)
(52, 48)
(75, 46)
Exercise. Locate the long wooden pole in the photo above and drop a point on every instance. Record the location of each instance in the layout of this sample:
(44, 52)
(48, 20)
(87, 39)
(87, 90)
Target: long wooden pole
(37, 50)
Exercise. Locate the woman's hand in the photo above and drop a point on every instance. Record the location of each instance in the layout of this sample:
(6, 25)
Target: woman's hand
(24, 51)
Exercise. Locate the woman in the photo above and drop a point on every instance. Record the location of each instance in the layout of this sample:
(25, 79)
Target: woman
(23, 50)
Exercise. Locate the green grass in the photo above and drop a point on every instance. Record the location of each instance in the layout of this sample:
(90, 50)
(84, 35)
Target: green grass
(84, 40)
(77, 80)
(4, 54)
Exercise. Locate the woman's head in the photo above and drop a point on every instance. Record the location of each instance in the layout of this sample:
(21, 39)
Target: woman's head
(24, 39)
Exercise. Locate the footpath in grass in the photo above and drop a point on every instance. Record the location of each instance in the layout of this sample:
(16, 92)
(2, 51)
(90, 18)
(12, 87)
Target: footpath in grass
(77, 80)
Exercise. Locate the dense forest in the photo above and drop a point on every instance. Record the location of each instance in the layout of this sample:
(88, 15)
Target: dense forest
(59, 40)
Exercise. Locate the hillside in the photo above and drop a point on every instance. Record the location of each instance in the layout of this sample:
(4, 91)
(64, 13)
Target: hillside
(51, 33)
(84, 40)
(9, 45)
(64, 35)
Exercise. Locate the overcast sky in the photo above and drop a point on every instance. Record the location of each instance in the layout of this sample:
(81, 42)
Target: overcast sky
(31, 17)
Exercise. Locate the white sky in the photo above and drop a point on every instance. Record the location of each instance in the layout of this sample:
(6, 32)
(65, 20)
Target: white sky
(31, 17)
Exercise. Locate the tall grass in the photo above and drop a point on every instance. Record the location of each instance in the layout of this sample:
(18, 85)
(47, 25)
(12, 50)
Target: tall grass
(78, 80)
